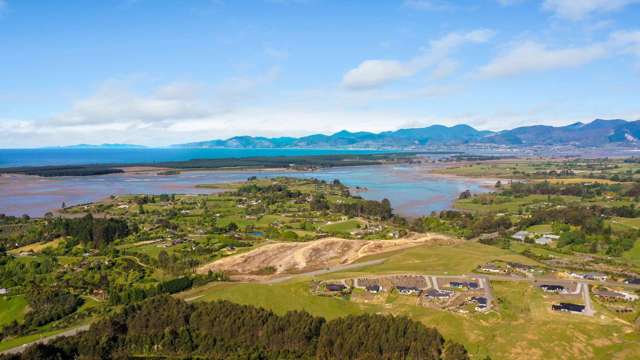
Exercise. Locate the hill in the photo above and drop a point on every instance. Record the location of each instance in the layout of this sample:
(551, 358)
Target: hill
(597, 133)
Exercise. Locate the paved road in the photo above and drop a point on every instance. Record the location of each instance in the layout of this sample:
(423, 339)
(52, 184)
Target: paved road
(44, 340)
(324, 271)
(588, 306)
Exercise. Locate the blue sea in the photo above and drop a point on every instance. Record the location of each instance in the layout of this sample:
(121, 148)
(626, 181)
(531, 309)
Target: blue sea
(76, 156)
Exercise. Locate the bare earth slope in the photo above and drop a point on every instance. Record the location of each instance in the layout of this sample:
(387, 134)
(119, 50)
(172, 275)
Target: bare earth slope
(312, 255)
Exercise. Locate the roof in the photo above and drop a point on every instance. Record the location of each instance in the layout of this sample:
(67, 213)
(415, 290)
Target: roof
(335, 287)
(552, 287)
(375, 287)
(568, 307)
(481, 300)
(437, 293)
(407, 288)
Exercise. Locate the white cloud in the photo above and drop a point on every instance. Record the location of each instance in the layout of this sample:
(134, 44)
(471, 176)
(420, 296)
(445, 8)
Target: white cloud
(377, 72)
(115, 103)
(532, 56)
(580, 9)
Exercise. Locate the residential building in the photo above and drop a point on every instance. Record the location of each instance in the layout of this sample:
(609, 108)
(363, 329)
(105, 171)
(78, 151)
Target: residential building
(521, 235)
(568, 307)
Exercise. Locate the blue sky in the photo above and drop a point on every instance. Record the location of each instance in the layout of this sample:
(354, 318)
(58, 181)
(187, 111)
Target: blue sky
(158, 72)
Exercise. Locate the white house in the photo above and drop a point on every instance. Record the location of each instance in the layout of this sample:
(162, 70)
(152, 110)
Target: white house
(546, 239)
(4, 291)
(521, 235)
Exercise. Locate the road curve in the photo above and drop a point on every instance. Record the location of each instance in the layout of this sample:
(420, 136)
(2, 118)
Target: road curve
(46, 339)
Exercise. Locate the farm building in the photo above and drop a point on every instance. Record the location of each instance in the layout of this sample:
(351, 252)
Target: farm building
(551, 288)
(568, 307)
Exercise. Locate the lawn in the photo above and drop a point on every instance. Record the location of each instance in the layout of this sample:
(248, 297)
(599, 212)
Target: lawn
(12, 308)
(633, 255)
(541, 229)
(452, 259)
(342, 227)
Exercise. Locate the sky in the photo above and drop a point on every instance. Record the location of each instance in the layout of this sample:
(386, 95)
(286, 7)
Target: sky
(161, 72)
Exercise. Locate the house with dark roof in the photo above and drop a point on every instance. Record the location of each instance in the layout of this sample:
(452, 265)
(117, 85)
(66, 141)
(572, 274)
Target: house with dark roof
(373, 288)
(335, 287)
(568, 307)
(632, 281)
(482, 303)
(472, 285)
(552, 288)
(438, 294)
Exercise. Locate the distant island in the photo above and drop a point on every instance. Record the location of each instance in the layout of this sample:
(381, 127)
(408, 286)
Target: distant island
(103, 146)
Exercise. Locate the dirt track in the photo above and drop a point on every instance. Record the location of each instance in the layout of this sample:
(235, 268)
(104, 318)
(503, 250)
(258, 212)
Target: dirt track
(298, 257)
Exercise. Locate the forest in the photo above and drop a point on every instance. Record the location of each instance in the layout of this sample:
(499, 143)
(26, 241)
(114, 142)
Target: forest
(164, 327)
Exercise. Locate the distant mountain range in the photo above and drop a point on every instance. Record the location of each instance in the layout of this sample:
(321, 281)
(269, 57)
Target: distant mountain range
(594, 134)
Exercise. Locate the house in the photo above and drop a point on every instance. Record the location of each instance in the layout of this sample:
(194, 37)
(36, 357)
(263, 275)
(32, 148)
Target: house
(521, 267)
(461, 285)
(546, 239)
(493, 268)
(335, 287)
(616, 295)
(473, 285)
(596, 276)
(568, 307)
(632, 281)
(521, 235)
(374, 289)
(482, 302)
(408, 290)
(457, 284)
(4, 291)
(438, 294)
(550, 288)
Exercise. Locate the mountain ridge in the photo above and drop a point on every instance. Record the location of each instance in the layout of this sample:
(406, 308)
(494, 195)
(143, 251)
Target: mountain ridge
(598, 132)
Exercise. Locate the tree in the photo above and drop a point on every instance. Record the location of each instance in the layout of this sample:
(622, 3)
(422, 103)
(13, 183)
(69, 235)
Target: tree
(465, 195)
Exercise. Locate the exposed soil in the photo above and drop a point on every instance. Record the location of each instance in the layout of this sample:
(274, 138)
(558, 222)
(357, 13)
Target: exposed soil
(318, 254)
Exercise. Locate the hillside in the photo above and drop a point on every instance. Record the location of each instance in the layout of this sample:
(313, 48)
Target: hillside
(594, 134)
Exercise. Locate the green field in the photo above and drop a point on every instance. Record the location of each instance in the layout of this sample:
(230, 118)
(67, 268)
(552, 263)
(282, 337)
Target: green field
(12, 308)
(523, 327)
(342, 227)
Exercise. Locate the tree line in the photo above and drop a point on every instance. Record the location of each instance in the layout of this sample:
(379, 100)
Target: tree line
(164, 327)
